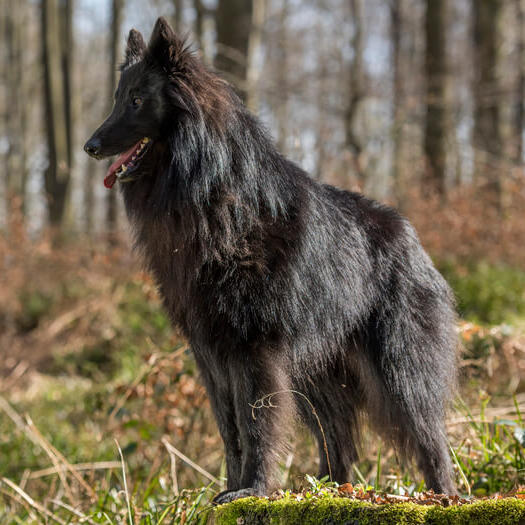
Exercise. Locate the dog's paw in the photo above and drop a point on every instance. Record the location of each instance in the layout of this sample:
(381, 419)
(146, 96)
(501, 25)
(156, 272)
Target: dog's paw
(230, 495)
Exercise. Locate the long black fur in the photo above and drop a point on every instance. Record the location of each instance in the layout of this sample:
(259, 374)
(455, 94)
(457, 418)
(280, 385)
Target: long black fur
(280, 284)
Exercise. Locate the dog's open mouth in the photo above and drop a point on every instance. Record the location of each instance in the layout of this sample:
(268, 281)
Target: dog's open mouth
(122, 169)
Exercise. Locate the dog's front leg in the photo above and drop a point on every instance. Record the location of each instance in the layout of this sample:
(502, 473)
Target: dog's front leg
(216, 376)
(263, 406)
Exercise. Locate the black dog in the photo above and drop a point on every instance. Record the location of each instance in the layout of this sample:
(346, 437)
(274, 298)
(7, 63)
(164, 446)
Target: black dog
(279, 283)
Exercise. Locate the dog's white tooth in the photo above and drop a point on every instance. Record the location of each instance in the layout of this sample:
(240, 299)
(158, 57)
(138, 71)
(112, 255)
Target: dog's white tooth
(124, 168)
(133, 157)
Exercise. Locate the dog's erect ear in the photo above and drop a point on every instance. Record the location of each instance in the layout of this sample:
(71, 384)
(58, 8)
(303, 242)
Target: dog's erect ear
(162, 38)
(165, 47)
(135, 48)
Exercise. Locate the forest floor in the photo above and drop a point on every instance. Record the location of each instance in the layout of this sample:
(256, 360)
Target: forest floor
(102, 416)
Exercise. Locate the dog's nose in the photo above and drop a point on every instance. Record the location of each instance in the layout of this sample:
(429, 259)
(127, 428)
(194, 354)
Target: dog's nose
(92, 147)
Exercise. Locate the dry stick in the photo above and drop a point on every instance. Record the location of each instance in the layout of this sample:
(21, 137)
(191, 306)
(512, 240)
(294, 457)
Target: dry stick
(266, 402)
(489, 413)
(60, 470)
(20, 501)
(17, 420)
(19, 370)
(173, 470)
(98, 465)
(24, 479)
(65, 462)
(74, 511)
(32, 502)
(128, 502)
(34, 435)
(187, 460)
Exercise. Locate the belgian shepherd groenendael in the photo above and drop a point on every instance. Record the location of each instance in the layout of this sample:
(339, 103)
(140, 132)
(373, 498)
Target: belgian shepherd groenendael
(280, 284)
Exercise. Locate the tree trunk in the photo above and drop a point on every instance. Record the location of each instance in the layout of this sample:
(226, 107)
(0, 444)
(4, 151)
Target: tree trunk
(254, 49)
(199, 23)
(117, 7)
(436, 79)
(356, 93)
(281, 103)
(58, 173)
(177, 16)
(398, 100)
(487, 139)
(519, 117)
(15, 115)
(233, 20)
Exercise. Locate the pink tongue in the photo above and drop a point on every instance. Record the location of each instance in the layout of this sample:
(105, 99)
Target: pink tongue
(123, 158)
(109, 180)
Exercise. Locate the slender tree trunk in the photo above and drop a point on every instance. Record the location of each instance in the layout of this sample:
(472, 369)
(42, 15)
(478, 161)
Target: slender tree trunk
(16, 102)
(487, 139)
(254, 47)
(321, 124)
(177, 16)
(199, 23)
(89, 194)
(356, 92)
(519, 117)
(436, 79)
(117, 7)
(398, 99)
(58, 173)
(282, 77)
(233, 20)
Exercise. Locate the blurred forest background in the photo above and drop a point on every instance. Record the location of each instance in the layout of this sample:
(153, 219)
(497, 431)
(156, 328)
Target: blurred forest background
(418, 103)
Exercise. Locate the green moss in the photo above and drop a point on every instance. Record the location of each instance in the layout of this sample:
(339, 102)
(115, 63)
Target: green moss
(338, 511)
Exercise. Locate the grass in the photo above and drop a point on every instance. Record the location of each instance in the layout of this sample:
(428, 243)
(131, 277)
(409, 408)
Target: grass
(70, 423)
(110, 368)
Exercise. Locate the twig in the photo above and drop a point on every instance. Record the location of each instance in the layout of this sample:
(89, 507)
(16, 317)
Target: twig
(32, 502)
(74, 511)
(266, 402)
(52, 456)
(20, 501)
(187, 460)
(34, 435)
(17, 372)
(489, 413)
(100, 465)
(128, 502)
(16, 419)
(64, 461)
(173, 469)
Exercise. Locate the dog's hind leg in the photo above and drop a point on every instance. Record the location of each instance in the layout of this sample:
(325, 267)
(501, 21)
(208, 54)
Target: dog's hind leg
(329, 406)
(415, 363)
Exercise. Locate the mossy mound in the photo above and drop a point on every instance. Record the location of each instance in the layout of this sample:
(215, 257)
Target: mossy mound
(328, 510)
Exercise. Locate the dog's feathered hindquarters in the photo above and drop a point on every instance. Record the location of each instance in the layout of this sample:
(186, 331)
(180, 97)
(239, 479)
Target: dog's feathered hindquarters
(280, 284)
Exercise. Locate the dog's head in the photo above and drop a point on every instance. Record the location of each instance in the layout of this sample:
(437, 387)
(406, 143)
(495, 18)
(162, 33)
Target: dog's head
(160, 85)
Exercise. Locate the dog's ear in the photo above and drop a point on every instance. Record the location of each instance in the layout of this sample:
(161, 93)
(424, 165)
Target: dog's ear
(162, 39)
(165, 47)
(135, 48)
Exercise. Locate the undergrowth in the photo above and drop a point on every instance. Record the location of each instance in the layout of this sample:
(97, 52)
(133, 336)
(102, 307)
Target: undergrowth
(90, 358)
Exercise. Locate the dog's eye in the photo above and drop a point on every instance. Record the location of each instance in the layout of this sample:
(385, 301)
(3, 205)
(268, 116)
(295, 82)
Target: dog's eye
(137, 101)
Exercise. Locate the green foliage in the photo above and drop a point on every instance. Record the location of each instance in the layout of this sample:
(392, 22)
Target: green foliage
(34, 305)
(493, 458)
(485, 292)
